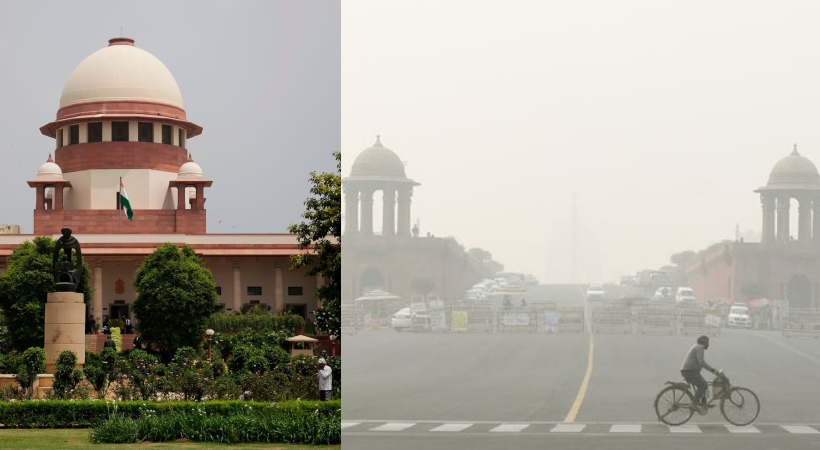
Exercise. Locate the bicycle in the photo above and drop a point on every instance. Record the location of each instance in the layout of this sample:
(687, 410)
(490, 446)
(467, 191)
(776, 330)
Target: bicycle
(675, 404)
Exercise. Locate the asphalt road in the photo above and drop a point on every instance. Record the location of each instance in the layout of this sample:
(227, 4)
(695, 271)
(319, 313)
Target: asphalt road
(517, 390)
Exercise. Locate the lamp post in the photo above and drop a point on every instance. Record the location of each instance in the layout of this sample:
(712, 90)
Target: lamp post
(210, 333)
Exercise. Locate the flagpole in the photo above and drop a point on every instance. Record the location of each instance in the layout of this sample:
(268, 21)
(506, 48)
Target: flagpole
(119, 206)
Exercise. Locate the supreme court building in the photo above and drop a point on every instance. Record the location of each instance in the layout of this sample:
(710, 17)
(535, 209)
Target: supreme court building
(121, 116)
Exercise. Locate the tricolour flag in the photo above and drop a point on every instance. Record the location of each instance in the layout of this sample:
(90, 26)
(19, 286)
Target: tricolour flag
(126, 205)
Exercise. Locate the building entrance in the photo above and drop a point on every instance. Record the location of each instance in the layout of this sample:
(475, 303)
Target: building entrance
(119, 311)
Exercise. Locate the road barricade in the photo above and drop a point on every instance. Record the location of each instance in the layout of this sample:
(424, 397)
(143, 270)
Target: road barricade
(693, 321)
(570, 319)
(516, 321)
(803, 323)
(612, 320)
(654, 320)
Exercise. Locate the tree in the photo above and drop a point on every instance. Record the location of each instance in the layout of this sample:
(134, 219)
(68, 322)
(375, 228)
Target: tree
(24, 289)
(175, 296)
(321, 232)
(683, 258)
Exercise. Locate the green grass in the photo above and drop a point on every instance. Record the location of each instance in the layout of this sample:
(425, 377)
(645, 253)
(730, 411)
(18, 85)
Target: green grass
(50, 439)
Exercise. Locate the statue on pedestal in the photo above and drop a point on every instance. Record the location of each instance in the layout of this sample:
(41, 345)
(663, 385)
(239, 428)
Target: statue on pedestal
(68, 274)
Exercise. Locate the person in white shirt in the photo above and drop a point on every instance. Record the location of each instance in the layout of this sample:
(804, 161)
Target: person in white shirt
(325, 380)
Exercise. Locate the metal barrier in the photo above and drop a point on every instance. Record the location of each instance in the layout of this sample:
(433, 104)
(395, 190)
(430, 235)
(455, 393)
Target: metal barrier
(657, 321)
(612, 320)
(693, 321)
(570, 319)
(802, 323)
(516, 321)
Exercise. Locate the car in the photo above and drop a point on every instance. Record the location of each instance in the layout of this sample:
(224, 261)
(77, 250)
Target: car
(685, 295)
(663, 293)
(739, 316)
(595, 292)
(401, 320)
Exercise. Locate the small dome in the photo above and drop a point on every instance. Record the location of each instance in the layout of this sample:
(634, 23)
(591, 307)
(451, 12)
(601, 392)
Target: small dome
(49, 171)
(794, 170)
(190, 170)
(121, 71)
(378, 161)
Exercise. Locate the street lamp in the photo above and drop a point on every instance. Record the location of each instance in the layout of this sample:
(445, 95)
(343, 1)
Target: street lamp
(210, 333)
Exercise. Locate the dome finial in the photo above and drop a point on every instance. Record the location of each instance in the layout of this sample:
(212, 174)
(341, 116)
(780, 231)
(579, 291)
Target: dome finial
(794, 152)
(49, 158)
(189, 158)
(378, 141)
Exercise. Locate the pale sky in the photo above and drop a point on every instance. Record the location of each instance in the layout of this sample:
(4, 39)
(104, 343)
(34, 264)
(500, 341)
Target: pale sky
(261, 78)
(661, 117)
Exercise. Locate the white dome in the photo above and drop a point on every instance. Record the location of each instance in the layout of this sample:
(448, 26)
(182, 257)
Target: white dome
(121, 72)
(49, 171)
(190, 170)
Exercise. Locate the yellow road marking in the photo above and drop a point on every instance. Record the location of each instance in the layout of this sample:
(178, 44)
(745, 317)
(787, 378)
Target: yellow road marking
(582, 392)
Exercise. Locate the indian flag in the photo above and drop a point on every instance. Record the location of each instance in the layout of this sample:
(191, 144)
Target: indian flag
(126, 205)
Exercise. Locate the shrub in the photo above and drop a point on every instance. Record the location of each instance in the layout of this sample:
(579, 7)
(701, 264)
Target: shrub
(234, 323)
(251, 425)
(66, 376)
(116, 323)
(277, 358)
(33, 362)
(82, 413)
(9, 363)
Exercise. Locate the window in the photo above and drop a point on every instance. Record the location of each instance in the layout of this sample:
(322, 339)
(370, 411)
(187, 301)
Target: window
(59, 138)
(166, 134)
(219, 308)
(74, 135)
(145, 132)
(180, 139)
(95, 132)
(254, 290)
(294, 290)
(119, 131)
(219, 290)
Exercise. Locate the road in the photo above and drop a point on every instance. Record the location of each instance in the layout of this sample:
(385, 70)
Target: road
(523, 390)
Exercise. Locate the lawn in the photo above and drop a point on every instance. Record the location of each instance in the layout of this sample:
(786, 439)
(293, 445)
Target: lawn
(68, 439)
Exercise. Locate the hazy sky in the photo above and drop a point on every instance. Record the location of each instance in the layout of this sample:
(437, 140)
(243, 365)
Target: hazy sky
(261, 78)
(662, 118)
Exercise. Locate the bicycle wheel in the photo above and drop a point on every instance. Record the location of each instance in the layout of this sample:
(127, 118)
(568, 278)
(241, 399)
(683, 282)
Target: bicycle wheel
(740, 406)
(673, 405)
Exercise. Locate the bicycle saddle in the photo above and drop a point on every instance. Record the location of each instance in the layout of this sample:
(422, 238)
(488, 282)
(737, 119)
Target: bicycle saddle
(678, 384)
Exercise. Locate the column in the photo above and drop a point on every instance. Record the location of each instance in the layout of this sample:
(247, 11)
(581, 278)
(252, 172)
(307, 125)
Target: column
(58, 197)
(180, 196)
(768, 204)
(41, 197)
(278, 289)
(367, 212)
(97, 310)
(403, 228)
(815, 219)
(200, 196)
(804, 220)
(389, 212)
(783, 219)
(237, 288)
(351, 211)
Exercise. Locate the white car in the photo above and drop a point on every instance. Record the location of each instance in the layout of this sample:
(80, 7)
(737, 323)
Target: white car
(739, 317)
(401, 320)
(685, 295)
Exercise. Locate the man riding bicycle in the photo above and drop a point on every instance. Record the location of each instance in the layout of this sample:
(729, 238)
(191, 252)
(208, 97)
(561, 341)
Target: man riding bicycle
(690, 370)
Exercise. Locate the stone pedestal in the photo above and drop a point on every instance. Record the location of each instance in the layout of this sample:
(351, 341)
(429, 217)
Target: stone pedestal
(65, 327)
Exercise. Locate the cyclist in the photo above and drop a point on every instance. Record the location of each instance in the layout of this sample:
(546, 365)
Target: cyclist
(690, 370)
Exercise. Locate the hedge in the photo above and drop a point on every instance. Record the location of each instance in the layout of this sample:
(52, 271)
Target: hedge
(233, 323)
(84, 413)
